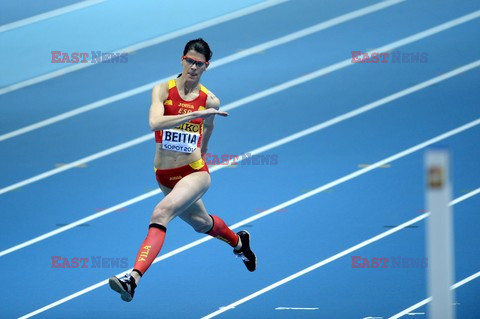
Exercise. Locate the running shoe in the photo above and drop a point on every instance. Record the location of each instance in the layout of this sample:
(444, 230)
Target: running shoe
(125, 286)
(245, 253)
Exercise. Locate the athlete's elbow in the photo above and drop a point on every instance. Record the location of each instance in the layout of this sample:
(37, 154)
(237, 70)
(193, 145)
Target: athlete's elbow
(152, 125)
(155, 125)
(209, 127)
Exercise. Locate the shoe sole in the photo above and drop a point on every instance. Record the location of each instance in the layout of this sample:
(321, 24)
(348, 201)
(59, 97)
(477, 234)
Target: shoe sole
(115, 284)
(249, 240)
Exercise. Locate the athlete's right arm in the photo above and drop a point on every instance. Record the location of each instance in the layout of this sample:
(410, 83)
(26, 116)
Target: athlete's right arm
(158, 121)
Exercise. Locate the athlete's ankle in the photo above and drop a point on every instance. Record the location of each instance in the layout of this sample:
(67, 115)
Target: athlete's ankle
(239, 244)
(136, 276)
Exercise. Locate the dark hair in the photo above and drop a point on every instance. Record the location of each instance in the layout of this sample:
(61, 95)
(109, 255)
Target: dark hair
(200, 46)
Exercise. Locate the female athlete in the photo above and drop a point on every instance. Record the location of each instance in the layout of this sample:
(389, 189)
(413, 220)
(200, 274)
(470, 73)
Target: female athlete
(182, 115)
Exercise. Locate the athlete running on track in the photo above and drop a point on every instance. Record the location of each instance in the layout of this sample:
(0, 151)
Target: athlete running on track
(182, 115)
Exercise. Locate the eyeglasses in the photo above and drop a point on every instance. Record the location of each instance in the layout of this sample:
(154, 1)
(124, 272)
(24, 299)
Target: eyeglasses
(195, 62)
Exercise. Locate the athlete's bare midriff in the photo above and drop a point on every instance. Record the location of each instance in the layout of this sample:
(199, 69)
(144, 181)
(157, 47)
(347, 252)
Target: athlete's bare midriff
(165, 159)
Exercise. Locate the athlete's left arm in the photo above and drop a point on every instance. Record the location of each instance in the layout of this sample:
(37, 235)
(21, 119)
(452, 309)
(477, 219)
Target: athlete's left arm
(208, 124)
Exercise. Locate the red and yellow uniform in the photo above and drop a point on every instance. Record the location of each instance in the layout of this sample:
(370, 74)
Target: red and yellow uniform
(185, 138)
(170, 177)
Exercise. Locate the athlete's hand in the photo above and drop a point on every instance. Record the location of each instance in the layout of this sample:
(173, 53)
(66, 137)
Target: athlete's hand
(210, 112)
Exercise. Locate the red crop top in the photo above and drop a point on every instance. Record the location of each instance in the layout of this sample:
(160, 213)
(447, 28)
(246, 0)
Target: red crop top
(187, 136)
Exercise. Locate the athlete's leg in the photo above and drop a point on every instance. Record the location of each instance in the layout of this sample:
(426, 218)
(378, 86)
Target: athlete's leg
(186, 192)
(196, 216)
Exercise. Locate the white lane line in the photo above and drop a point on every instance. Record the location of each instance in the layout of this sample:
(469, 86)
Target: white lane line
(148, 43)
(237, 225)
(427, 300)
(259, 150)
(248, 99)
(228, 59)
(466, 196)
(283, 205)
(81, 161)
(80, 221)
(296, 308)
(338, 255)
(49, 14)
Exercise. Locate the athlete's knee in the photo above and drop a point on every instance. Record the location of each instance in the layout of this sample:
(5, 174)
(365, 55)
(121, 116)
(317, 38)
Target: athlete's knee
(202, 228)
(202, 225)
(163, 212)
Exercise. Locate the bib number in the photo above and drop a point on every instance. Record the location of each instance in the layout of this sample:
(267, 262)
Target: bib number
(179, 140)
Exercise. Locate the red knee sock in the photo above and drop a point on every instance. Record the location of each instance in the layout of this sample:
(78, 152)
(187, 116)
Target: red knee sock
(221, 231)
(150, 248)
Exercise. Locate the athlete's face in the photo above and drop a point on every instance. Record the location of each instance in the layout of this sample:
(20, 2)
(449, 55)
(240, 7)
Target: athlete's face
(193, 64)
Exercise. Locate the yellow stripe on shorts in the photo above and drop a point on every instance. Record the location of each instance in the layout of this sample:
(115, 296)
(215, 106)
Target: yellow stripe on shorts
(197, 164)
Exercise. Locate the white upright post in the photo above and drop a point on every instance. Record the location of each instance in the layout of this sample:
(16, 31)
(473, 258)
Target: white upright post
(440, 235)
